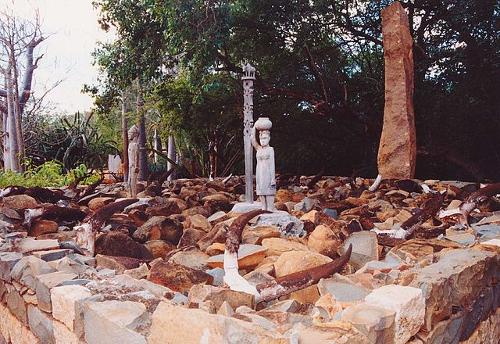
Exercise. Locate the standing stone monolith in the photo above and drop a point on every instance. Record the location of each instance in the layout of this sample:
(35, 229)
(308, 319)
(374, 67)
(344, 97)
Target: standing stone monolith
(397, 150)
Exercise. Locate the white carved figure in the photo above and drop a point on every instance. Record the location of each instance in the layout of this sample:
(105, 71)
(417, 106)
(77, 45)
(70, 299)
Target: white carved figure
(133, 160)
(265, 170)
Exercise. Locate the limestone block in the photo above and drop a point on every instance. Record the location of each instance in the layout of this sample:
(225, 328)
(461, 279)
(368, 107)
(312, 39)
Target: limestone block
(459, 277)
(112, 322)
(375, 322)
(7, 262)
(40, 323)
(169, 323)
(66, 306)
(44, 283)
(63, 335)
(408, 304)
(13, 330)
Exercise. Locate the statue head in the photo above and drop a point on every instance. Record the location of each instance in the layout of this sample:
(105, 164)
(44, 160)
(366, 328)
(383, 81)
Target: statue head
(264, 137)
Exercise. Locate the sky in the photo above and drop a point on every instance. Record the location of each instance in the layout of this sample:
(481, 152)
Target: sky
(74, 32)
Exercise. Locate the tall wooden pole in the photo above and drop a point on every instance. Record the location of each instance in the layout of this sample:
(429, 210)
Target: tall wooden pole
(248, 79)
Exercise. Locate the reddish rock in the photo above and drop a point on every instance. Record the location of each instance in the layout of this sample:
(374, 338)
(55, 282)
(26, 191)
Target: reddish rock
(159, 227)
(159, 248)
(41, 227)
(397, 150)
(177, 277)
(120, 244)
(120, 264)
(190, 237)
(325, 241)
(99, 202)
(18, 202)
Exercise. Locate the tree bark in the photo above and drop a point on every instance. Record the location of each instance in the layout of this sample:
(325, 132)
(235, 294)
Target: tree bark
(143, 158)
(124, 139)
(172, 155)
(11, 128)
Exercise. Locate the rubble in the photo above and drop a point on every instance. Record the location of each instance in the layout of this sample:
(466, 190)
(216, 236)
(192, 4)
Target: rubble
(331, 273)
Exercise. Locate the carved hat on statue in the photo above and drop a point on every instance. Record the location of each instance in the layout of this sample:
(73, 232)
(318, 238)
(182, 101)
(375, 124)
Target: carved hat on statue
(133, 132)
(264, 125)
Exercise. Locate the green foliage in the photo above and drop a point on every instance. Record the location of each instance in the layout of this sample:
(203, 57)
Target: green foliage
(49, 174)
(73, 140)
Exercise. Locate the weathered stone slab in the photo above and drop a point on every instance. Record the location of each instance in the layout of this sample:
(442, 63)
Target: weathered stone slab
(112, 322)
(40, 324)
(28, 245)
(63, 335)
(28, 268)
(51, 255)
(407, 302)
(397, 150)
(44, 283)
(16, 304)
(66, 306)
(459, 277)
(198, 326)
(342, 289)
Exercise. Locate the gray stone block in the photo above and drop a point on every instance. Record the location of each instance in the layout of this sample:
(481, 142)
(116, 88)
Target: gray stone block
(41, 325)
(44, 283)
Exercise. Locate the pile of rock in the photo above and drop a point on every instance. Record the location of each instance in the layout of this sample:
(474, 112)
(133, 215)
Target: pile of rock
(157, 274)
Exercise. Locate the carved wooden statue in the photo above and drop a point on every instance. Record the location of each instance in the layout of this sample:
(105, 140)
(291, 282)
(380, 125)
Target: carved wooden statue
(265, 170)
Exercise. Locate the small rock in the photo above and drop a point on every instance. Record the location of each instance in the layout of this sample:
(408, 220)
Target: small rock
(190, 237)
(375, 322)
(331, 213)
(159, 248)
(199, 222)
(159, 227)
(19, 202)
(99, 202)
(255, 235)
(342, 289)
(66, 306)
(42, 226)
(277, 246)
(226, 309)
(295, 261)
(312, 216)
(28, 245)
(193, 258)
(307, 204)
(120, 245)
(200, 293)
(364, 248)
(177, 277)
(52, 254)
(288, 224)
(215, 249)
(324, 240)
(138, 273)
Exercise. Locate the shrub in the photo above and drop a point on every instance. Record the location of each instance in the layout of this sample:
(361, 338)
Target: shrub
(49, 174)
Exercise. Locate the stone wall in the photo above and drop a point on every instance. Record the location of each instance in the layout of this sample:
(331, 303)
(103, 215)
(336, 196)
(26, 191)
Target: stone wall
(58, 296)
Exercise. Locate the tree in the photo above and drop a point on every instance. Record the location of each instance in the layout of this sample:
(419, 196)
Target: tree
(18, 37)
(320, 77)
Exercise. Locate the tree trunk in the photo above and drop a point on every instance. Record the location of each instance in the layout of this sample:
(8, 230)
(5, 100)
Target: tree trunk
(171, 154)
(5, 132)
(157, 145)
(17, 111)
(11, 127)
(125, 140)
(143, 158)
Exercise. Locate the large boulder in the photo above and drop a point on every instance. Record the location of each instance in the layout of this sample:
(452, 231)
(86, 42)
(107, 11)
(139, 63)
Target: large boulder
(159, 228)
